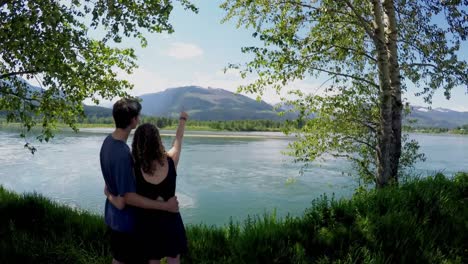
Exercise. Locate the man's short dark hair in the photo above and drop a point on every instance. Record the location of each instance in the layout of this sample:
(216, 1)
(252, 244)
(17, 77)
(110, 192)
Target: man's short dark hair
(124, 110)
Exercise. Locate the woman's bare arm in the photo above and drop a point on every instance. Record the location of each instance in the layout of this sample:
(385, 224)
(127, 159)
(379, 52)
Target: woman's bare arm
(171, 205)
(174, 152)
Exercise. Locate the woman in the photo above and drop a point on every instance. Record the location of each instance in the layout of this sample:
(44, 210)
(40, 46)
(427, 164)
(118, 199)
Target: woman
(161, 233)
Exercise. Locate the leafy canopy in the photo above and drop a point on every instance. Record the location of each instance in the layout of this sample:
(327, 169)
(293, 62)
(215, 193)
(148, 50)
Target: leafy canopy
(49, 41)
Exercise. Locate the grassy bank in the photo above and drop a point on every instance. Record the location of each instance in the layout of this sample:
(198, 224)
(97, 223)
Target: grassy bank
(423, 221)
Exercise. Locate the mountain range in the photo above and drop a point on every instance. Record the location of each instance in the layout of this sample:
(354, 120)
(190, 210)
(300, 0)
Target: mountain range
(206, 104)
(437, 117)
(218, 104)
(89, 110)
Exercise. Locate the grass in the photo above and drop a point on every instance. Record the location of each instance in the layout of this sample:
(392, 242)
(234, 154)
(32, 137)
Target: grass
(421, 221)
(36, 230)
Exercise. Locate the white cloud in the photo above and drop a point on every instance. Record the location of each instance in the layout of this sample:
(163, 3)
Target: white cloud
(182, 51)
(146, 81)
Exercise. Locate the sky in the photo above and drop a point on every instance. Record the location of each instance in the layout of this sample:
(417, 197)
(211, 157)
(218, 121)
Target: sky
(201, 47)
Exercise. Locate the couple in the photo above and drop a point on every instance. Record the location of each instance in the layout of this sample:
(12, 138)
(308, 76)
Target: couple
(141, 211)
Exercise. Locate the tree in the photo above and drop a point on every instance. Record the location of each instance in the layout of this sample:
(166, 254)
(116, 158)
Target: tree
(48, 40)
(370, 50)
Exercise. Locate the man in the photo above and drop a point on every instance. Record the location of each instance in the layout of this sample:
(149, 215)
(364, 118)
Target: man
(117, 170)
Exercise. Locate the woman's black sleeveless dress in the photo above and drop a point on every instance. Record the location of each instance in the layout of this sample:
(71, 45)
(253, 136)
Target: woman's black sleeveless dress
(161, 233)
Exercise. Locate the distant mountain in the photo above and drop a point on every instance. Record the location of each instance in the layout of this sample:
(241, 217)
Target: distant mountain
(30, 88)
(437, 117)
(89, 110)
(206, 104)
(97, 111)
(219, 104)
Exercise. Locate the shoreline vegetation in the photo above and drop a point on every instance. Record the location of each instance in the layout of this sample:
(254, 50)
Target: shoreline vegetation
(228, 126)
(197, 132)
(462, 130)
(419, 221)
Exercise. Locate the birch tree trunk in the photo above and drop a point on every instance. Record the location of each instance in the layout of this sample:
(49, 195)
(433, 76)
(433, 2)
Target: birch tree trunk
(385, 133)
(395, 82)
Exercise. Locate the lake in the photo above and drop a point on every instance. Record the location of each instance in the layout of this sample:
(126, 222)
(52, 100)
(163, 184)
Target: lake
(219, 177)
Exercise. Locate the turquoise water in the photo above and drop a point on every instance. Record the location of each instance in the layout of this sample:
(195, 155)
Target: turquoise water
(219, 177)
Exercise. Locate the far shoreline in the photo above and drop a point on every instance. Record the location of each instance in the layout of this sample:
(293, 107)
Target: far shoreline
(200, 132)
(204, 133)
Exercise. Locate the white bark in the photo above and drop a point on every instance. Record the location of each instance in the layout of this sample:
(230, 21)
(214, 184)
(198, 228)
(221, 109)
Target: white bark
(385, 132)
(395, 82)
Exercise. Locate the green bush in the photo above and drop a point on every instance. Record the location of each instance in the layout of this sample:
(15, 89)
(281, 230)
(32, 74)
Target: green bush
(420, 221)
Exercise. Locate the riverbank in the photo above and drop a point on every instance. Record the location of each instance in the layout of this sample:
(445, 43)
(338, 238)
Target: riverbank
(207, 128)
(205, 134)
(199, 131)
(195, 131)
(463, 130)
(192, 125)
(422, 221)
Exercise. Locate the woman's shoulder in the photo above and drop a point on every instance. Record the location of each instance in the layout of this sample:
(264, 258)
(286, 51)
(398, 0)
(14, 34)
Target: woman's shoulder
(171, 163)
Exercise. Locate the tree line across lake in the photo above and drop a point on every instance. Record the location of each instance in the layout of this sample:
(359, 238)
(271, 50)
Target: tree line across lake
(233, 125)
(244, 125)
(463, 130)
(252, 125)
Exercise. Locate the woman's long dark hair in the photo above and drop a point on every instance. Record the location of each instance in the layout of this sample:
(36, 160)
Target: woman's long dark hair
(147, 148)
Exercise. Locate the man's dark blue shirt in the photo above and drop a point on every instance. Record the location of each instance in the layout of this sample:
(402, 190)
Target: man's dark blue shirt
(117, 170)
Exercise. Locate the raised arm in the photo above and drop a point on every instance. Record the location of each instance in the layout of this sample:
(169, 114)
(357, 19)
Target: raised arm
(174, 152)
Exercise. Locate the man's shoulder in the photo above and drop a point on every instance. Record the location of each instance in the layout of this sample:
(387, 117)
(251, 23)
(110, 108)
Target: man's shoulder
(115, 148)
(110, 142)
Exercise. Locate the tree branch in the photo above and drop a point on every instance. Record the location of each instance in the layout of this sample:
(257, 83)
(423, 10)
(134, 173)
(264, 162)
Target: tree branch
(422, 65)
(356, 160)
(363, 166)
(357, 51)
(437, 68)
(369, 125)
(346, 75)
(4, 2)
(31, 100)
(17, 73)
(312, 7)
(364, 23)
(297, 4)
(361, 142)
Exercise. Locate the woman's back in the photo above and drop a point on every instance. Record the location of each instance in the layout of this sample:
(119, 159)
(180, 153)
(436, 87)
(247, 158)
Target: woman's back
(162, 233)
(164, 189)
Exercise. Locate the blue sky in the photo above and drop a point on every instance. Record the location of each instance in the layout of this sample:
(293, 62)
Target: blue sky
(201, 47)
